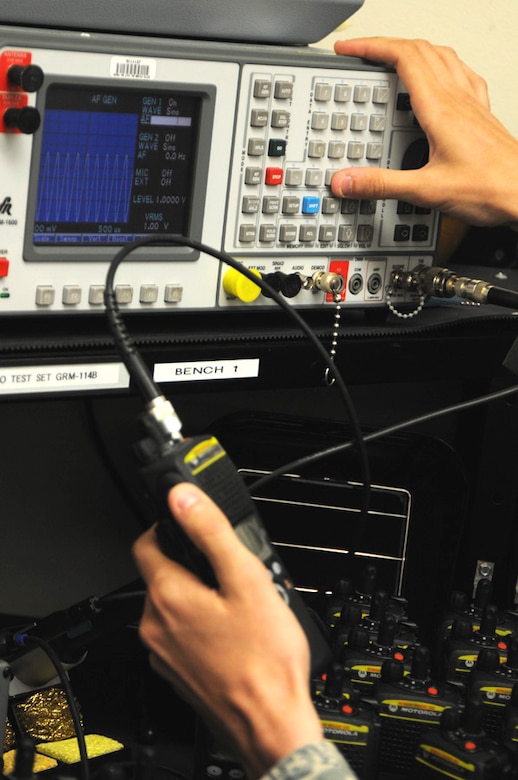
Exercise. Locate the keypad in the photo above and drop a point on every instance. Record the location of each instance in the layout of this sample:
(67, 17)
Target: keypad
(298, 131)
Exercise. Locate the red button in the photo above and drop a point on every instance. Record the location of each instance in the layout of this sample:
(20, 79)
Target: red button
(470, 745)
(4, 266)
(433, 691)
(273, 176)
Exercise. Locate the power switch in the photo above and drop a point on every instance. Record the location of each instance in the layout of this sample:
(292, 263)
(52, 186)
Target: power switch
(4, 267)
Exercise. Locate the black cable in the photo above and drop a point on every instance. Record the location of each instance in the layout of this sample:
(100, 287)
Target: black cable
(123, 596)
(498, 296)
(142, 378)
(314, 457)
(22, 640)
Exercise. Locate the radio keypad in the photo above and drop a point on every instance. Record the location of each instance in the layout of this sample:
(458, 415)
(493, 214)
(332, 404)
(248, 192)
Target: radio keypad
(300, 128)
(345, 126)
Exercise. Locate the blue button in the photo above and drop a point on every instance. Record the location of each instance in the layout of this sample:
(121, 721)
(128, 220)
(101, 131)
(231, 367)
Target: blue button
(310, 204)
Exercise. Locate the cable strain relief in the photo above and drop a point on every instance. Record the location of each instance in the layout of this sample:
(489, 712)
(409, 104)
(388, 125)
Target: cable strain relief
(499, 296)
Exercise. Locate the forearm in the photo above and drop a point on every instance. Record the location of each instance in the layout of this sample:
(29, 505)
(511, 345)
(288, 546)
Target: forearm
(316, 761)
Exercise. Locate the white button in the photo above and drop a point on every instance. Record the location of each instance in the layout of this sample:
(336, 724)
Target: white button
(262, 88)
(380, 95)
(339, 121)
(259, 117)
(329, 176)
(316, 149)
(256, 146)
(362, 94)
(247, 234)
(345, 233)
(96, 294)
(374, 151)
(326, 233)
(313, 177)
(280, 118)
(71, 294)
(323, 92)
(45, 295)
(287, 233)
(173, 293)
(148, 293)
(271, 204)
(250, 204)
(290, 204)
(308, 233)
(342, 93)
(355, 150)
(253, 175)
(283, 90)
(358, 121)
(336, 149)
(319, 120)
(123, 293)
(377, 123)
(330, 206)
(267, 233)
(293, 177)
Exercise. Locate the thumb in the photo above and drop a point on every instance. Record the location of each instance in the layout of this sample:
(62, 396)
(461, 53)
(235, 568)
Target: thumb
(212, 533)
(378, 184)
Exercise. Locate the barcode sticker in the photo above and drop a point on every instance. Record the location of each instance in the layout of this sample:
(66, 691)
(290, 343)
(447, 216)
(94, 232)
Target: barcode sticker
(133, 68)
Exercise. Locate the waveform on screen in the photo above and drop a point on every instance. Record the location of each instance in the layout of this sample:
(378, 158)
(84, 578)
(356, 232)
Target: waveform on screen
(85, 188)
(86, 167)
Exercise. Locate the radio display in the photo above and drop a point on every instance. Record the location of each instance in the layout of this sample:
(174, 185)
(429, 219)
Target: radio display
(114, 165)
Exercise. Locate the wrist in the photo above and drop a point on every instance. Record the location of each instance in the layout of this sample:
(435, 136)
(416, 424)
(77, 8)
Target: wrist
(319, 760)
(273, 735)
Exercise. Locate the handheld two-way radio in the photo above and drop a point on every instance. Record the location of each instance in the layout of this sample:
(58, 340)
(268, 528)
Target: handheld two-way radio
(167, 458)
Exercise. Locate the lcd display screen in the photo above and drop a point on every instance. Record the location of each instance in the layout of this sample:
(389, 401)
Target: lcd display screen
(114, 165)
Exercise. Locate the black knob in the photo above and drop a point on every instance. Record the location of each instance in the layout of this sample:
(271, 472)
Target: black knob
(358, 638)
(368, 580)
(387, 630)
(488, 659)
(28, 77)
(421, 664)
(26, 120)
(392, 671)
(378, 605)
(334, 681)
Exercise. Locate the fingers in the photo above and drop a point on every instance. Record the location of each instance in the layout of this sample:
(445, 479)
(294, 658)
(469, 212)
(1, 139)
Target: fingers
(210, 531)
(380, 183)
(447, 98)
(421, 65)
(213, 534)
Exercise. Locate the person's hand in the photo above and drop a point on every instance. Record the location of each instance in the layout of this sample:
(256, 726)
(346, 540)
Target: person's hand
(236, 653)
(473, 162)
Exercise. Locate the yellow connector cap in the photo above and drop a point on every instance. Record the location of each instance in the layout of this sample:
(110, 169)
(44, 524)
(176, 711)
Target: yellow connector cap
(239, 286)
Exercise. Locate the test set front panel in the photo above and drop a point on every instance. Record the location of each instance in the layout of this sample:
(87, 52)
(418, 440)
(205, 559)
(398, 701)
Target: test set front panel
(105, 140)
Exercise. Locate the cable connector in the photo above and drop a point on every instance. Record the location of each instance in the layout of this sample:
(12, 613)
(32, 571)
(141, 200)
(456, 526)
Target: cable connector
(162, 421)
(443, 283)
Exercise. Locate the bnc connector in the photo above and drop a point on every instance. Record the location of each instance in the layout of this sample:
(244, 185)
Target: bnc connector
(328, 282)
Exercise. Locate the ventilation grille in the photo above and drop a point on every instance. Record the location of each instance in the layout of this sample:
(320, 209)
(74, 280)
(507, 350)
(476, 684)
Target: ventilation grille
(317, 523)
